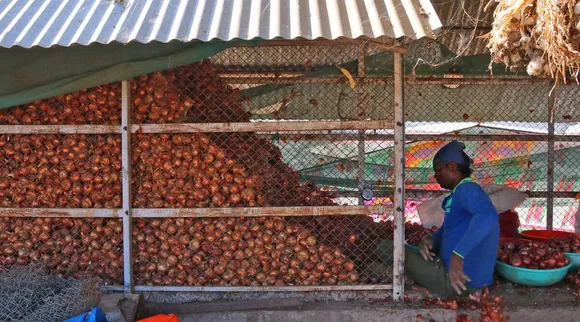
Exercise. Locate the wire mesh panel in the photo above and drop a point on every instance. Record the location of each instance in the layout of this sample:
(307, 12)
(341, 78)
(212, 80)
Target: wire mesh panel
(255, 169)
(74, 171)
(512, 107)
(566, 158)
(498, 112)
(283, 59)
(262, 251)
(215, 169)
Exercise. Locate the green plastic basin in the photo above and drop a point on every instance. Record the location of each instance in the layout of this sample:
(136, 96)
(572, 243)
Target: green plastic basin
(574, 260)
(531, 277)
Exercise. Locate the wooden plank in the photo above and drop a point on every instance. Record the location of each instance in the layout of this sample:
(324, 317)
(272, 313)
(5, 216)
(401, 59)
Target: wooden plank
(334, 42)
(259, 211)
(60, 212)
(476, 81)
(261, 126)
(335, 136)
(319, 288)
(260, 79)
(387, 47)
(399, 193)
(126, 177)
(60, 129)
(256, 77)
(195, 212)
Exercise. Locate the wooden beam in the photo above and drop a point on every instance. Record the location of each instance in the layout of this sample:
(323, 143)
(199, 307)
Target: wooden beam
(61, 212)
(258, 79)
(330, 137)
(259, 211)
(387, 47)
(195, 212)
(61, 129)
(320, 288)
(327, 42)
(261, 126)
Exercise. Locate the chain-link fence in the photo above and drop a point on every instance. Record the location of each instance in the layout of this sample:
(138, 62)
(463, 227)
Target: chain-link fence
(261, 186)
(506, 128)
(29, 293)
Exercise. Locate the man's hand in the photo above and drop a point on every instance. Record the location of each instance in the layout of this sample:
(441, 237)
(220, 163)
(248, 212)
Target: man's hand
(456, 275)
(426, 248)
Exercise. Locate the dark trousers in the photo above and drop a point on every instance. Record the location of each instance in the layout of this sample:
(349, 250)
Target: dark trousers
(430, 274)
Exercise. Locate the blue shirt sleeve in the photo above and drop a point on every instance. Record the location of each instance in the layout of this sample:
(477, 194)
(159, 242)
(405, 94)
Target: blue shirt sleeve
(485, 217)
(438, 236)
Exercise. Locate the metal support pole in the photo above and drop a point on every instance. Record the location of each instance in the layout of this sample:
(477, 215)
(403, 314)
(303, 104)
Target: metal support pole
(361, 138)
(550, 175)
(399, 194)
(126, 162)
(361, 167)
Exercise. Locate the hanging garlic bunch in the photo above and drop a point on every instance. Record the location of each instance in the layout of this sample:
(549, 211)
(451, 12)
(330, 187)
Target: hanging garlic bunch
(540, 36)
(510, 41)
(536, 65)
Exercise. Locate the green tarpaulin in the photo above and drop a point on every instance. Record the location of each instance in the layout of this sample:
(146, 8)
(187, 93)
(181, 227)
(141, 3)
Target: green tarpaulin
(31, 74)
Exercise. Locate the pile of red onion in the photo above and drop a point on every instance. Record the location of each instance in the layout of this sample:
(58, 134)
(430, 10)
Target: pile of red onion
(67, 246)
(188, 170)
(528, 254)
(60, 171)
(172, 171)
(261, 251)
(569, 244)
(97, 105)
(414, 232)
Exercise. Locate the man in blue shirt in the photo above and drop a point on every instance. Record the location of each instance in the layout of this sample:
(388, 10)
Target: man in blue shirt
(460, 256)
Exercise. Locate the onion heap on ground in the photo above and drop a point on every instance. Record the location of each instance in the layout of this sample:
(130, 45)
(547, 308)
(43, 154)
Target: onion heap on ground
(539, 36)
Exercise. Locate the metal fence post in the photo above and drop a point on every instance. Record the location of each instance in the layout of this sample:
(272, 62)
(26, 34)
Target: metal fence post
(399, 194)
(550, 175)
(126, 175)
(361, 139)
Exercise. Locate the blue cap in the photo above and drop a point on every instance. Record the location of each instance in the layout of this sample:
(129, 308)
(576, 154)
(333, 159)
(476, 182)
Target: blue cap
(452, 152)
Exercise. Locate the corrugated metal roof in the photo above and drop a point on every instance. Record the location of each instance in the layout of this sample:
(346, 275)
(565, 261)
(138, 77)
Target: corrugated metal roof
(46, 23)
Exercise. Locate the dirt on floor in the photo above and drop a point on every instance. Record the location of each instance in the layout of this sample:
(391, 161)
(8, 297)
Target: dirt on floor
(557, 303)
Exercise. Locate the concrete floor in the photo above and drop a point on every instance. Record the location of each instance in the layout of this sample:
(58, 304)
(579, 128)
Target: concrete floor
(557, 303)
(355, 312)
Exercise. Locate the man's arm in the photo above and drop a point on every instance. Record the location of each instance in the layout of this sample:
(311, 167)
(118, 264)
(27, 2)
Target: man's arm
(485, 218)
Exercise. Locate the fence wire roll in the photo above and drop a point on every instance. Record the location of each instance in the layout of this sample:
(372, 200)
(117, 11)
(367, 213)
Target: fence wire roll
(29, 293)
